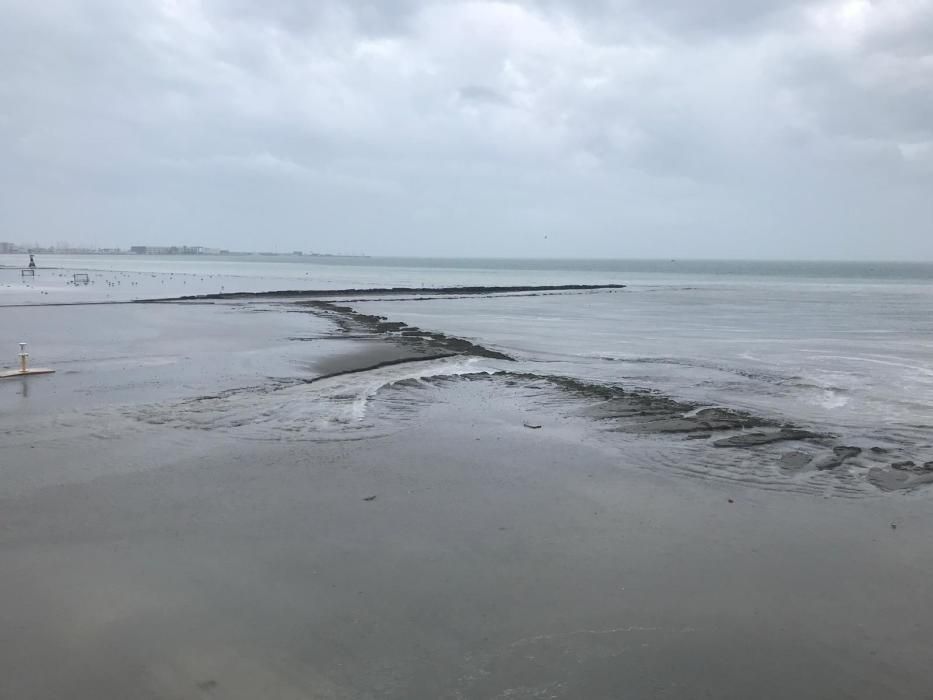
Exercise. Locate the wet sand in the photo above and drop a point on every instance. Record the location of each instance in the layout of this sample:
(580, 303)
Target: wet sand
(449, 552)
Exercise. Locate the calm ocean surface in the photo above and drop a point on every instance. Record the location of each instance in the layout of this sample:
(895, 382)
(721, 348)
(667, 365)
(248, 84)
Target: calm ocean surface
(416, 271)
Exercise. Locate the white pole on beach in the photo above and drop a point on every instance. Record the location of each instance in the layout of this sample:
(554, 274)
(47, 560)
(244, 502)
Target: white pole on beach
(24, 369)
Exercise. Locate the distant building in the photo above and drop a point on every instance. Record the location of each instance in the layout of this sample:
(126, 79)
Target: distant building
(167, 250)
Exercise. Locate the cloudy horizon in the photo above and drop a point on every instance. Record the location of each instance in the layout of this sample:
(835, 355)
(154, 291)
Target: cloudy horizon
(586, 128)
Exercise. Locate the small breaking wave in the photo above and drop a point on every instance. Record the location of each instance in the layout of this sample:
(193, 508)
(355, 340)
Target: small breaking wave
(717, 443)
(328, 408)
(712, 442)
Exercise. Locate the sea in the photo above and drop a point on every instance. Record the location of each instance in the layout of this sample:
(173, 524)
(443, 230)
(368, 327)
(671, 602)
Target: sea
(838, 347)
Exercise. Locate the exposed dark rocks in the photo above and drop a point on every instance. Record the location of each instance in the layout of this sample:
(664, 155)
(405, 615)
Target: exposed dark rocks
(765, 438)
(840, 454)
(349, 320)
(401, 291)
(795, 460)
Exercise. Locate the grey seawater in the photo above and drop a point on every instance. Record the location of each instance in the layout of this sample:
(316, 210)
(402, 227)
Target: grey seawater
(341, 272)
(816, 346)
(841, 349)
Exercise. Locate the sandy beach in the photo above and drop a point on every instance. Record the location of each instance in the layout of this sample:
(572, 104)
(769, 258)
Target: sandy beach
(466, 350)
(276, 498)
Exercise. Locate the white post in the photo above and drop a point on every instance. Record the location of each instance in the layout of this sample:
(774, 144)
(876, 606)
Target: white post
(23, 355)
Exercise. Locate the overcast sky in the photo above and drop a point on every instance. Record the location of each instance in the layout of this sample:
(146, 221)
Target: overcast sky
(622, 128)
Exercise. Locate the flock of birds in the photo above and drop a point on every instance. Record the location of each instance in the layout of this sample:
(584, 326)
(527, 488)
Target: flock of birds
(48, 281)
(112, 280)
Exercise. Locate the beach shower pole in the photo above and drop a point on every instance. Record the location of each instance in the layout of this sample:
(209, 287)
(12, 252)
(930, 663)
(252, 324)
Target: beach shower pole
(24, 369)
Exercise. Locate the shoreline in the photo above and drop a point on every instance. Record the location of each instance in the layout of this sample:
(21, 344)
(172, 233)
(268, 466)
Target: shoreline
(458, 556)
(291, 498)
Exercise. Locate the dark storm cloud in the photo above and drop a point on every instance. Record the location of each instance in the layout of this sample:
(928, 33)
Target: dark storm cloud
(621, 127)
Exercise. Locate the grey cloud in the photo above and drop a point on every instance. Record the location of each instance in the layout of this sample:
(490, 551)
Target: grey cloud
(482, 95)
(621, 127)
(844, 103)
(875, 82)
(680, 20)
(370, 17)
